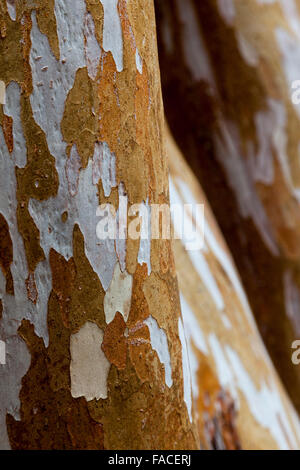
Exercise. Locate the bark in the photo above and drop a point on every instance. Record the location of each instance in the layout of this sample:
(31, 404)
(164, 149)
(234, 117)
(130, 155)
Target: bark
(81, 125)
(95, 349)
(239, 399)
(227, 73)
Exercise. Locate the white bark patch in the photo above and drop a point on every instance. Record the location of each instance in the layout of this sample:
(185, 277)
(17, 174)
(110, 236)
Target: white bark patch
(191, 326)
(48, 103)
(272, 135)
(2, 92)
(159, 343)
(73, 167)
(194, 336)
(248, 52)
(2, 353)
(197, 257)
(144, 254)
(118, 295)
(280, 140)
(11, 8)
(112, 32)
(17, 307)
(223, 258)
(290, 11)
(91, 47)
(187, 379)
(11, 374)
(122, 227)
(12, 108)
(239, 177)
(265, 403)
(82, 209)
(292, 301)
(261, 164)
(104, 167)
(289, 48)
(138, 61)
(194, 48)
(231, 272)
(226, 321)
(227, 10)
(89, 367)
(43, 281)
(203, 269)
(224, 372)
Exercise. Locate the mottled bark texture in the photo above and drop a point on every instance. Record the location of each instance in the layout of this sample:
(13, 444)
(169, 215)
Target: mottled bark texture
(93, 347)
(238, 398)
(96, 352)
(227, 72)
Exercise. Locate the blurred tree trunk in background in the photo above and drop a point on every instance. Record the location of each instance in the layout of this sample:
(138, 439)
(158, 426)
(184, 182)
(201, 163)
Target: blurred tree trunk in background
(228, 70)
(238, 399)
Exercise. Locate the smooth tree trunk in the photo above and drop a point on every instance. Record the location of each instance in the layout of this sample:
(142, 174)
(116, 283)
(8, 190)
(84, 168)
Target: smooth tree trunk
(92, 327)
(229, 74)
(238, 397)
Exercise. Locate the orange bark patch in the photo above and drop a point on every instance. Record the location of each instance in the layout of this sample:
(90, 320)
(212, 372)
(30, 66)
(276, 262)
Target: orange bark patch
(6, 254)
(139, 310)
(217, 420)
(12, 46)
(8, 132)
(63, 276)
(140, 348)
(38, 180)
(79, 122)
(85, 433)
(114, 342)
(109, 104)
(50, 419)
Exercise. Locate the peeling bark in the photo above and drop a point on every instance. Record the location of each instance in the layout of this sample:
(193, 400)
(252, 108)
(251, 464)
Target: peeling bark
(98, 355)
(82, 125)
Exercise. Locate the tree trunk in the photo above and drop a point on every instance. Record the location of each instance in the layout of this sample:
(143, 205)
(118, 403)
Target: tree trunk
(93, 349)
(238, 398)
(93, 353)
(228, 75)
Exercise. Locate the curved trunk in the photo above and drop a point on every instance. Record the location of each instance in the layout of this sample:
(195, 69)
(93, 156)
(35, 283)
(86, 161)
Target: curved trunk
(90, 325)
(229, 75)
(238, 398)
